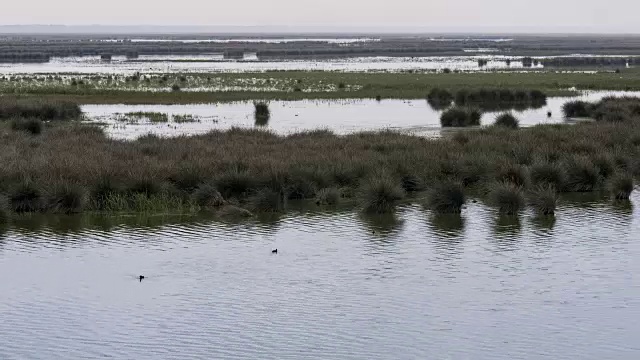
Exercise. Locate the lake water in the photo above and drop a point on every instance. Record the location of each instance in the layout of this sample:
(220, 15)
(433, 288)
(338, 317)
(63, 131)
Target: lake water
(340, 116)
(342, 286)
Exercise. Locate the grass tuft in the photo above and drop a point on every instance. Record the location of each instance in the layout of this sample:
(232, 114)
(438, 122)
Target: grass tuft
(544, 200)
(25, 197)
(447, 198)
(380, 195)
(328, 196)
(31, 126)
(621, 186)
(507, 120)
(507, 197)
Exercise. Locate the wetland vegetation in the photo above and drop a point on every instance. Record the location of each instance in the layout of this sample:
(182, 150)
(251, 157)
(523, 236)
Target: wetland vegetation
(72, 167)
(292, 85)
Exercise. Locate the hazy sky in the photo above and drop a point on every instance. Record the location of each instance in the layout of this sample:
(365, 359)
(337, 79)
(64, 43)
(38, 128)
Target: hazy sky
(585, 15)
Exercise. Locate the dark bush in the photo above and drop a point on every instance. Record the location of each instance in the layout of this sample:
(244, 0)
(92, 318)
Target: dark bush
(447, 198)
(507, 120)
(32, 126)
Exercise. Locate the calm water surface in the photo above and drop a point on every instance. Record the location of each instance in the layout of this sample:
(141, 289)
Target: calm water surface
(340, 116)
(343, 286)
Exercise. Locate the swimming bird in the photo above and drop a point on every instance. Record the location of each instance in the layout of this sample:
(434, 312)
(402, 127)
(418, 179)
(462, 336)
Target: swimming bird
(548, 113)
(141, 277)
(274, 251)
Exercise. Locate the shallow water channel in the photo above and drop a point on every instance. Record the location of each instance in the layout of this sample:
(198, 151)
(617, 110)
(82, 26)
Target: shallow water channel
(217, 63)
(340, 116)
(342, 286)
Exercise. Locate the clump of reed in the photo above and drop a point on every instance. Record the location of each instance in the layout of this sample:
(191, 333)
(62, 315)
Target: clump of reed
(33, 108)
(67, 198)
(576, 109)
(621, 186)
(261, 113)
(546, 174)
(31, 126)
(447, 198)
(500, 99)
(543, 199)
(155, 117)
(460, 117)
(507, 120)
(328, 196)
(439, 99)
(380, 195)
(26, 196)
(268, 200)
(507, 197)
(207, 195)
(582, 175)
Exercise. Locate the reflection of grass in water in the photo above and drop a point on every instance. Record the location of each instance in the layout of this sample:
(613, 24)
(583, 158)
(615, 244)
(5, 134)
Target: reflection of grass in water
(545, 223)
(381, 224)
(507, 225)
(623, 207)
(584, 199)
(448, 225)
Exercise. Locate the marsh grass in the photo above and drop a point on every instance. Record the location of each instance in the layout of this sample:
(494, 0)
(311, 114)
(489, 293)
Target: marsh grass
(31, 126)
(67, 199)
(239, 163)
(543, 199)
(576, 109)
(507, 120)
(507, 197)
(268, 200)
(621, 186)
(154, 117)
(460, 117)
(207, 195)
(439, 99)
(582, 175)
(328, 196)
(446, 198)
(46, 110)
(548, 174)
(25, 196)
(380, 195)
(261, 114)
(488, 99)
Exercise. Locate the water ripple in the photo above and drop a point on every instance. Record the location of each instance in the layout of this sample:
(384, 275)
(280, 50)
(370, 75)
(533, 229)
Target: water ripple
(343, 285)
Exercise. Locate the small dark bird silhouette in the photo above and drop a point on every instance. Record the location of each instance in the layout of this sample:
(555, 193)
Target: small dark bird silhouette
(141, 277)
(548, 113)
(274, 251)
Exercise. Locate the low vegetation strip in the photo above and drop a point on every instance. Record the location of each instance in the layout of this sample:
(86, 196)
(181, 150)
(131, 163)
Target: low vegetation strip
(292, 85)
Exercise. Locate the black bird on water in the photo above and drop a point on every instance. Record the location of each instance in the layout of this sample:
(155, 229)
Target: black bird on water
(274, 251)
(548, 113)
(141, 277)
